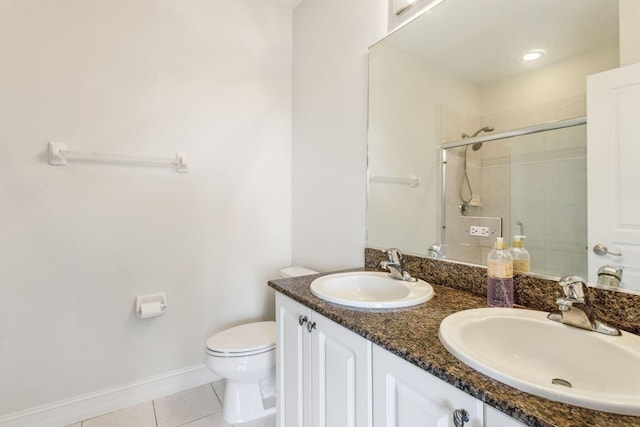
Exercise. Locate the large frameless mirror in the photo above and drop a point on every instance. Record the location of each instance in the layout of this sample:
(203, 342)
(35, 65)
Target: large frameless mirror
(470, 71)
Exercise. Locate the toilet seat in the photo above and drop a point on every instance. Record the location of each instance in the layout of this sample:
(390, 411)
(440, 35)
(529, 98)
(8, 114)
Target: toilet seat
(243, 340)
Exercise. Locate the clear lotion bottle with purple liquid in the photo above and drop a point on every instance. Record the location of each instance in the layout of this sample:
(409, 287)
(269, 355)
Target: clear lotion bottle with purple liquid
(499, 276)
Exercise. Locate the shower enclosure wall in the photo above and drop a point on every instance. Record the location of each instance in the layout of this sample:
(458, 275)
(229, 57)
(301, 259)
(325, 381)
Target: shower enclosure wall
(533, 180)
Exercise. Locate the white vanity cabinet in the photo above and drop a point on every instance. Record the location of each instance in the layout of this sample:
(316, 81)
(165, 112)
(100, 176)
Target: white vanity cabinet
(495, 418)
(323, 370)
(406, 396)
(328, 376)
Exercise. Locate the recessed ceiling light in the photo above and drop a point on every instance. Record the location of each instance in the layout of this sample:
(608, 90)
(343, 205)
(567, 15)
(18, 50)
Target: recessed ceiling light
(532, 55)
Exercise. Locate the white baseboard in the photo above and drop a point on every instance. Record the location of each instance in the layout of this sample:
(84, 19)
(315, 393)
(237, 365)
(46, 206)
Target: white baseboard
(70, 411)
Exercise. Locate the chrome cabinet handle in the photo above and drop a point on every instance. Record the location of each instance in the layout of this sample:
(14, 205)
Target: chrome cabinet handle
(601, 249)
(460, 416)
(311, 326)
(302, 320)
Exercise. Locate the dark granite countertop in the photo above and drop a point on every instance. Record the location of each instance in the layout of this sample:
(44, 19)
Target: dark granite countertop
(412, 334)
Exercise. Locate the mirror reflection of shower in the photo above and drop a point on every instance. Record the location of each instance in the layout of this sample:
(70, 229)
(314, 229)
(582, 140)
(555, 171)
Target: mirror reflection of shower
(465, 202)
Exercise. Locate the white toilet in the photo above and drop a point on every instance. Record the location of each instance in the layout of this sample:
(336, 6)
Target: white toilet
(246, 356)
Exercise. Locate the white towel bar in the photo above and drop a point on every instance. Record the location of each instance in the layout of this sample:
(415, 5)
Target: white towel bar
(58, 156)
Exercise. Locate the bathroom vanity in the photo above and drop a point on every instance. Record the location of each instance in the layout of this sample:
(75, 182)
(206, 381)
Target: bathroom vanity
(339, 366)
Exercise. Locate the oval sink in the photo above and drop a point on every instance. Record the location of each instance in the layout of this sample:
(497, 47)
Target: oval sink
(524, 349)
(370, 289)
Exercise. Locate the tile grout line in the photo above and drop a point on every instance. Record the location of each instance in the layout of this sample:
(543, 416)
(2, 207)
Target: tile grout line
(216, 393)
(155, 414)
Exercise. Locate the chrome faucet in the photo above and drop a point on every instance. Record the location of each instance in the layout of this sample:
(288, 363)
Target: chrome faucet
(576, 309)
(436, 251)
(396, 266)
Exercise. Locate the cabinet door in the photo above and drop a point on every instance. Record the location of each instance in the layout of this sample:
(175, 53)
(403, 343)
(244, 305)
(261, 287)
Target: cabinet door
(406, 396)
(293, 365)
(495, 418)
(341, 366)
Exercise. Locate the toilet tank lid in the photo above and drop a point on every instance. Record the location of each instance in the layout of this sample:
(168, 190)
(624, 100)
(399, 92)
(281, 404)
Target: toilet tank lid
(242, 338)
(296, 271)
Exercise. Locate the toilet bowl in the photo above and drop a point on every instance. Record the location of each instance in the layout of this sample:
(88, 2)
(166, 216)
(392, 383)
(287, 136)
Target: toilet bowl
(245, 356)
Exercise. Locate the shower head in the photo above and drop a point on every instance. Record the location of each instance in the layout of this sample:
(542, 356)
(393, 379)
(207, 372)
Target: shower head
(484, 129)
(477, 145)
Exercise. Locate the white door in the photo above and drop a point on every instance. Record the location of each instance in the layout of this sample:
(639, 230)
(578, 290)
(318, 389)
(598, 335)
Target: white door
(613, 144)
(406, 396)
(293, 367)
(341, 380)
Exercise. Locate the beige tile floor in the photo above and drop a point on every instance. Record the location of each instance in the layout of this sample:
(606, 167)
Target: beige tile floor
(196, 407)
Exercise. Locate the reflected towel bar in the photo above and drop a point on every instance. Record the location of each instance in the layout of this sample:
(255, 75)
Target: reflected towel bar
(413, 181)
(58, 155)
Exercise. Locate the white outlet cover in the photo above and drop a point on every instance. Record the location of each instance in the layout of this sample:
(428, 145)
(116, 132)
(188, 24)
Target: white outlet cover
(493, 224)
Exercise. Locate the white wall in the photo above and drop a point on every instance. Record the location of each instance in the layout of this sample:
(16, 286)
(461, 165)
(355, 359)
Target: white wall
(79, 242)
(629, 32)
(331, 38)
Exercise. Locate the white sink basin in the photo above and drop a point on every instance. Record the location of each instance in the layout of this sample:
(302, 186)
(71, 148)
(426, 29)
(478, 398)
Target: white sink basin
(523, 349)
(370, 290)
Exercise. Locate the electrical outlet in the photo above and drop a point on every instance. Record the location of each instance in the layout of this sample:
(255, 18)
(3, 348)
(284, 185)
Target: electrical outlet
(476, 230)
(480, 230)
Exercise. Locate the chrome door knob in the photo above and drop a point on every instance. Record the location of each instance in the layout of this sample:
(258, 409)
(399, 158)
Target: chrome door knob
(311, 326)
(601, 250)
(302, 320)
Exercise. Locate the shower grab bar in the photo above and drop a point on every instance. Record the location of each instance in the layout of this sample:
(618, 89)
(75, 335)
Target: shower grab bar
(413, 181)
(516, 132)
(58, 156)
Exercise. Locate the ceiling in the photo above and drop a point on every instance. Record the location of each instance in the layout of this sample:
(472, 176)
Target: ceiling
(484, 40)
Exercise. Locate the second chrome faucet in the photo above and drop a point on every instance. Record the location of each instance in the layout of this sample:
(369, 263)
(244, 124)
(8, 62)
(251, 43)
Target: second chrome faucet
(576, 309)
(395, 265)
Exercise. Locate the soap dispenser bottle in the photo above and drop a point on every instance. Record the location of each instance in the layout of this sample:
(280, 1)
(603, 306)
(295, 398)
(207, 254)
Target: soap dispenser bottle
(521, 258)
(499, 276)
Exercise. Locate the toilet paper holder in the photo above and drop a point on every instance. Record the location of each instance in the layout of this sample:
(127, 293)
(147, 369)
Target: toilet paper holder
(151, 305)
